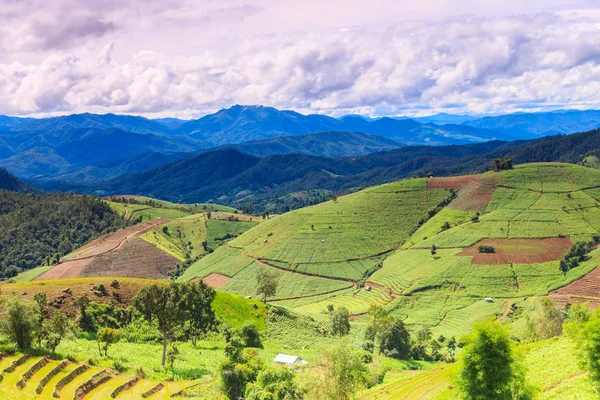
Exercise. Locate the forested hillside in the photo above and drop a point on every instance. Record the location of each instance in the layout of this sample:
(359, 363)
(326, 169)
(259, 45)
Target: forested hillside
(35, 227)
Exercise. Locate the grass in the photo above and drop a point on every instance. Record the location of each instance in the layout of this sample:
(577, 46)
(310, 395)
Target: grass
(31, 274)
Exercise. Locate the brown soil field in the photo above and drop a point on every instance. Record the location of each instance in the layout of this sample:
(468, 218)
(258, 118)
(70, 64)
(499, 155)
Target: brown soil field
(454, 182)
(120, 253)
(65, 270)
(519, 251)
(215, 281)
(135, 259)
(474, 192)
(585, 289)
(111, 241)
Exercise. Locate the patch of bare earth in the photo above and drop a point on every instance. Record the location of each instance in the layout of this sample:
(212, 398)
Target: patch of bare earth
(518, 251)
(474, 192)
(135, 259)
(112, 241)
(64, 270)
(585, 289)
(215, 281)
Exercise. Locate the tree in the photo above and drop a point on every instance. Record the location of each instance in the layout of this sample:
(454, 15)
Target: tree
(56, 328)
(340, 322)
(239, 368)
(585, 329)
(545, 321)
(273, 383)
(502, 163)
(175, 305)
(107, 337)
(376, 312)
(41, 300)
(393, 338)
(267, 283)
(433, 250)
(451, 346)
(20, 322)
(339, 374)
(57, 258)
(489, 369)
(250, 336)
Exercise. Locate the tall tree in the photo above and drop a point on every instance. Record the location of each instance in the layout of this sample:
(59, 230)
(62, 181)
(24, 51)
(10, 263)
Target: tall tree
(175, 305)
(267, 283)
(20, 322)
(340, 322)
(489, 369)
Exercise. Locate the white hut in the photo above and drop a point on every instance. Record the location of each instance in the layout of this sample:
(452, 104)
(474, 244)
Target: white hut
(290, 361)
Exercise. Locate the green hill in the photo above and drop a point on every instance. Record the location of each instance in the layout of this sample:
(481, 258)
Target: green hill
(382, 238)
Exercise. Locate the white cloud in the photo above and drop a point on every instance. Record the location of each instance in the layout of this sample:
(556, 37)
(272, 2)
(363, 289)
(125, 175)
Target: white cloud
(481, 64)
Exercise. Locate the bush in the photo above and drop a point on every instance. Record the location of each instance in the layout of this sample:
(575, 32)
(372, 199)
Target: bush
(486, 249)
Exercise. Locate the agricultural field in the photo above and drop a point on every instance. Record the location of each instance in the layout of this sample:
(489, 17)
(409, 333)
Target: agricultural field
(382, 238)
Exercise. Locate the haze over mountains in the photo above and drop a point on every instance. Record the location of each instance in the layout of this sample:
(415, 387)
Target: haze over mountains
(88, 147)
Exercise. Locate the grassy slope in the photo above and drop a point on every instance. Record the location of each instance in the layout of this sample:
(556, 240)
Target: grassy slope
(443, 291)
(552, 369)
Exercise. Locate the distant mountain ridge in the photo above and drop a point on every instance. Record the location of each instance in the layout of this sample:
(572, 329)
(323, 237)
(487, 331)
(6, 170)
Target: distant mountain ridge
(231, 177)
(90, 147)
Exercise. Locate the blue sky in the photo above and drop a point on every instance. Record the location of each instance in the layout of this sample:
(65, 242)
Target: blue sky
(380, 57)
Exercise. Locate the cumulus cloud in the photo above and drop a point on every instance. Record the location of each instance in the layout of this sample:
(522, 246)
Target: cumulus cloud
(459, 64)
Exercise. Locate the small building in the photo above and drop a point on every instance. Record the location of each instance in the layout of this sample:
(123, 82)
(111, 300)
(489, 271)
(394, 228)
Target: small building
(489, 299)
(290, 361)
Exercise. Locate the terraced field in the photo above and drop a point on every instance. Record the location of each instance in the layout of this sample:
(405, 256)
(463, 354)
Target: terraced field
(383, 238)
(27, 377)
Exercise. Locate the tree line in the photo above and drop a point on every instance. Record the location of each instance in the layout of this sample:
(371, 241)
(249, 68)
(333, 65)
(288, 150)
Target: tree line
(37, 228)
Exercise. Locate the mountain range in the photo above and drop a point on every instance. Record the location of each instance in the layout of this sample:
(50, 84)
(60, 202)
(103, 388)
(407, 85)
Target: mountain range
(284, 181)
(90, 147)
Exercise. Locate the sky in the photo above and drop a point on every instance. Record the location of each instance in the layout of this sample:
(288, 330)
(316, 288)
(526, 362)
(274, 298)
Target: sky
(187, 58)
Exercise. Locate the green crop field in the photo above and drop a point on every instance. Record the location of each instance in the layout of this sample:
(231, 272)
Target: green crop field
(383, 237)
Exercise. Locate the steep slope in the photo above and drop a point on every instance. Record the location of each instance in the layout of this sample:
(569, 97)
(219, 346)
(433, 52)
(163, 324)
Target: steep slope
(415, 245)
(10, 182)
(237, 178)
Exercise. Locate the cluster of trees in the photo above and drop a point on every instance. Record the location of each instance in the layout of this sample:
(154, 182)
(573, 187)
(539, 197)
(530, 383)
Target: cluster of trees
(577, 253)
(491, 369)
(502, 163)
(38, 229)
(175, 311)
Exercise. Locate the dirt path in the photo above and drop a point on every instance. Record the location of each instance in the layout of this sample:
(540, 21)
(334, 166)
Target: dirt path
(567, 379)
(506, 312)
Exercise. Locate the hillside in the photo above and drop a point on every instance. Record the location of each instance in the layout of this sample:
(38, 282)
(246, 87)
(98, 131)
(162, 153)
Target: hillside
(529, 125)
(383, 237)
(36, 227)
(289, 181)
(12, 183)
(55, 152)
(325, 144)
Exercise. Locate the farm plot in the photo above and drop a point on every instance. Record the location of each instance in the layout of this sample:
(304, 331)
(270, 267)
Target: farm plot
(291, 285)
(443, 311)
(215, 281)
(135, 259)
(435, 224)
(225, 261)
(518, 251)
(586, 288)
(357, 302)
(360, 225)
(412, 385)
(412, 271)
